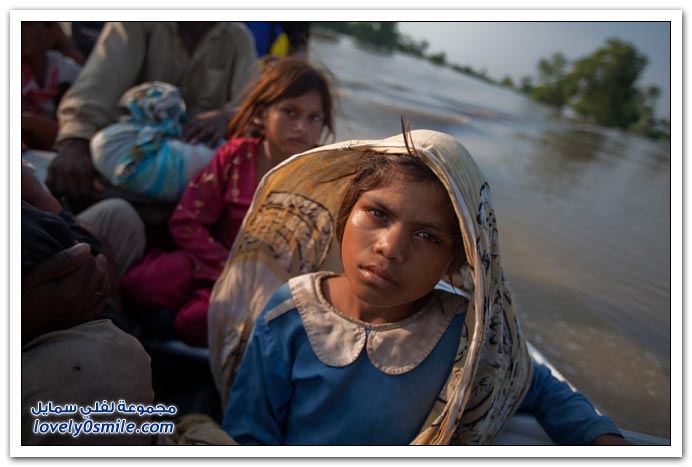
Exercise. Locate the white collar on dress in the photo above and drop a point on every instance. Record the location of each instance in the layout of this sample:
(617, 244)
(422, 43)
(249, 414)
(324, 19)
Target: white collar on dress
(393, 348)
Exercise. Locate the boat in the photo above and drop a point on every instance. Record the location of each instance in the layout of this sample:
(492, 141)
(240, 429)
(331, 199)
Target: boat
(523, 429)
(196, 393)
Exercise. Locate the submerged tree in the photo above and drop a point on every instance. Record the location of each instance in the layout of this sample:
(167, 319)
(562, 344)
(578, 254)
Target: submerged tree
(383, 35)
(605, 84)
(526, 84)
(554, 87)
(438, 58)
(507, 82)
(600, 87)
(647, 124)
(410, 46)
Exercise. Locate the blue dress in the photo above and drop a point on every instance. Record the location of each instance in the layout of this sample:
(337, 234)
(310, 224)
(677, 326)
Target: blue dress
(285, 393)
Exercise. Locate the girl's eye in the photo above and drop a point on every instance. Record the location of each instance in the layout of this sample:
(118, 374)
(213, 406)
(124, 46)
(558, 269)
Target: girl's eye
(317, 118)
(427, 236)
(290, 112)
(378, 213)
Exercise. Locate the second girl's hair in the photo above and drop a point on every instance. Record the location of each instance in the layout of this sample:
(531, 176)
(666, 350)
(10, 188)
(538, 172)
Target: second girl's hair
(285, 78)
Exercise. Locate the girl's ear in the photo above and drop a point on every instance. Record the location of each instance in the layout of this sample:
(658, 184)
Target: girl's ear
(258, 117)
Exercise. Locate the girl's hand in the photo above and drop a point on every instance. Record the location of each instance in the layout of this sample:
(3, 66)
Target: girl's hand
(207, 127)
(610, 440)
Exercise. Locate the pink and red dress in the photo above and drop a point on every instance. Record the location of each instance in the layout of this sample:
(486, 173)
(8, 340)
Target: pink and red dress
(203, 226)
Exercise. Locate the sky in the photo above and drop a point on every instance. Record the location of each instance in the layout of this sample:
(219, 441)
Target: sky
(514, 48)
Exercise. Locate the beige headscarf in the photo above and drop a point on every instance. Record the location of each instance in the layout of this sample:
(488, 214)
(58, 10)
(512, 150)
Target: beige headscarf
(289, 231)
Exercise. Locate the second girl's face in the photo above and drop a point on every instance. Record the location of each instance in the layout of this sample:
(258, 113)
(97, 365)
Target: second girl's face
(294, 124)
(397, 244)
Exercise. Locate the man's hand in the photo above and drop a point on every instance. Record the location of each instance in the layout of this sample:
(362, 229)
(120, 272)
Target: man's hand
(207, 127)
(72, 172)
(67, 289)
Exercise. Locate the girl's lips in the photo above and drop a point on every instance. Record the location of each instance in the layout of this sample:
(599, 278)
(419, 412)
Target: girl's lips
(377, 276)
(298, 141)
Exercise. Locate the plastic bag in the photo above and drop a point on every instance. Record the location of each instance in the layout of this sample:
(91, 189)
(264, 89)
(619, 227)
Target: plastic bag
(143, 153)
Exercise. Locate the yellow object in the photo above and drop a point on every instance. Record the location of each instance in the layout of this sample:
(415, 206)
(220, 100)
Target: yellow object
(280, 46)
(278, 49)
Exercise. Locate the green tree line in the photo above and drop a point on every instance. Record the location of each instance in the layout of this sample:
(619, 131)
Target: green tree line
(600, 87)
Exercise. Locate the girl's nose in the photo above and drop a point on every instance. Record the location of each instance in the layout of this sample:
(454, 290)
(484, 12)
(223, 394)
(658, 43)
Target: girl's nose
(300, 124)
(391, 244)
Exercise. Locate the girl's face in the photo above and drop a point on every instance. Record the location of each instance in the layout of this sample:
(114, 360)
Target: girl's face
(293, 125)
(397, 244)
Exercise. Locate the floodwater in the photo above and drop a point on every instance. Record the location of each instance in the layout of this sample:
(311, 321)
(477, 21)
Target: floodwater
(583, 213)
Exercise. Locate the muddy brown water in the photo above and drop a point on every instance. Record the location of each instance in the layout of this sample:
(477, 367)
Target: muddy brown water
(583, 212)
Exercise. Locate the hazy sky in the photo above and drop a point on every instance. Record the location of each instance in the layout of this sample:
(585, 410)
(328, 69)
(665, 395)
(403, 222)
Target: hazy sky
(514, 48)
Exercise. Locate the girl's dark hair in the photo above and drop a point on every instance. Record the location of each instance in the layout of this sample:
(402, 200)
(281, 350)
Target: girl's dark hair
(285, 78)
(376, 170)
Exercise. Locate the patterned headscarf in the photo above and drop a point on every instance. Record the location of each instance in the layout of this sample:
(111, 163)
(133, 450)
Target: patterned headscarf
(289, 231)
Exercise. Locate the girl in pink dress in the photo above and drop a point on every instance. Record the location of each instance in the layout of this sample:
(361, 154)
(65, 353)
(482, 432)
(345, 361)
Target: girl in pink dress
(285, 113)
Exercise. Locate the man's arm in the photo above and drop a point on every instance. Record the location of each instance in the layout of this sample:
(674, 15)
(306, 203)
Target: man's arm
(245, 67)
(113, 67)
(91, 104)
(209, 127)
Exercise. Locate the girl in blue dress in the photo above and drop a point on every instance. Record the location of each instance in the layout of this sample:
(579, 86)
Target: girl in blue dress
(413, 339)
